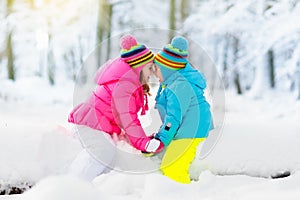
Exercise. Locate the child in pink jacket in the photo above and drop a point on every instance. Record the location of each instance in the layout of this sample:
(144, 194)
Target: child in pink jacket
(113, 107)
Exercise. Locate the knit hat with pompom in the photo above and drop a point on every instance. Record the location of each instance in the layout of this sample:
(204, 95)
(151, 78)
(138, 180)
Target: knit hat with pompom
(174, 55)
(133, 53)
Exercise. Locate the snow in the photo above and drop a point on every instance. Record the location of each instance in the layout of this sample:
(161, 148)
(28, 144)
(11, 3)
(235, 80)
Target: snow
(259, 138)
(147, 187)
(33, 129)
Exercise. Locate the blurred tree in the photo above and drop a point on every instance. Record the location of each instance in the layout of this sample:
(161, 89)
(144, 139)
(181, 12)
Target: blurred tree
(9, 43)
(298, 77)
(10, 57)
(236, 74)
(271, 66)
(184, 9)
(172, 18)
(32, 4)
(294, 75)
(51, 68)
(267, 5)
(74, 60)
(231, 72)
(225, 62)
(265, 67)
(110, 13)
(105, 12)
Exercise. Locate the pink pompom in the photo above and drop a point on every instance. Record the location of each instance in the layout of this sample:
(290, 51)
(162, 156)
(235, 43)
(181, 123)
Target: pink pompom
(127, 42)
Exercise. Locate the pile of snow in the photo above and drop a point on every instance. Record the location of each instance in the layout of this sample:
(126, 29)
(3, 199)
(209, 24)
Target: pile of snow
(35, 139)
(63, 187)
(259, 138)
(117, 186)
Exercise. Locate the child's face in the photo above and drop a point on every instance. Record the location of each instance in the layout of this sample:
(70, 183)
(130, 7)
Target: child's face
(151, 69)
(156, 72)
(147, 72)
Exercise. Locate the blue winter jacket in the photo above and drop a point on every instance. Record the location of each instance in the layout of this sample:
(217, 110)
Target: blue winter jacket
(183, 109)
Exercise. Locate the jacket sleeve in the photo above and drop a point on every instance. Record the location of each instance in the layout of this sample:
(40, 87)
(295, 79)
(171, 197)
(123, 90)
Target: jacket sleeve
(125, 98)
(178, 99)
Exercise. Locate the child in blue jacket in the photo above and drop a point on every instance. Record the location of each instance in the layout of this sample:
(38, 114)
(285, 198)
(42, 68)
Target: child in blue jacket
(183, 109)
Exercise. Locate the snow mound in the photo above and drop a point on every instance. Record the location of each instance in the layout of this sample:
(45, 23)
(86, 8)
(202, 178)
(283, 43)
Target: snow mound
(62, 188)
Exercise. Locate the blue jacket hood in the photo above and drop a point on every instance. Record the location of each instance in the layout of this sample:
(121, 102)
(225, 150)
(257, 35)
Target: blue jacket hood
(190, 74)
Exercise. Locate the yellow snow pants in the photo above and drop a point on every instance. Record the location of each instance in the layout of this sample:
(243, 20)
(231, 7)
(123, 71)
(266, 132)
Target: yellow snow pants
(178, 158)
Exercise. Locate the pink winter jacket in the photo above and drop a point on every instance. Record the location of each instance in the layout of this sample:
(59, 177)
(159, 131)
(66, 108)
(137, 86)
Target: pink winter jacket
(115, 103)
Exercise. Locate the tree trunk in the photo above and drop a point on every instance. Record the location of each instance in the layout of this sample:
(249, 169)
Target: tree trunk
(262, 76)
(110, 12)
(237, 82)
(9, 4)
(51, 63)
(172, 19)
(9, 44)
(10, 57)
(236, 75)
(32, 4)
(298, 98)
(184, 10)
(103, 29)
(100, 31)
(298, 78)
(270, 58)
(225, 62)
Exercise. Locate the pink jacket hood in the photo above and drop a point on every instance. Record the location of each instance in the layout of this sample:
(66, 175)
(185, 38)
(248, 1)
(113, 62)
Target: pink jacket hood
(113, 70)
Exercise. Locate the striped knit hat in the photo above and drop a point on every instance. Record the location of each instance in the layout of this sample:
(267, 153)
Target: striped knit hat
(174, 55)
(133, 53)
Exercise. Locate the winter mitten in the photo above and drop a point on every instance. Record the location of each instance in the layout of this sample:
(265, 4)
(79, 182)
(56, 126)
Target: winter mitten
(153, 146)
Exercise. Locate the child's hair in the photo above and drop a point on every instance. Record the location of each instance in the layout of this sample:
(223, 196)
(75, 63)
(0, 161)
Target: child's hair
(146, 89)
(146, 86)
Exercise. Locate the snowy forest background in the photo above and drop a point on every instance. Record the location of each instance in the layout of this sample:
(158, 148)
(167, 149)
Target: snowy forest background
(46, 48)
(254, 43)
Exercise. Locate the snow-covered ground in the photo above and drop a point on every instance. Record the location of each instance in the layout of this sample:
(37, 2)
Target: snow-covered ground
(260, 137)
